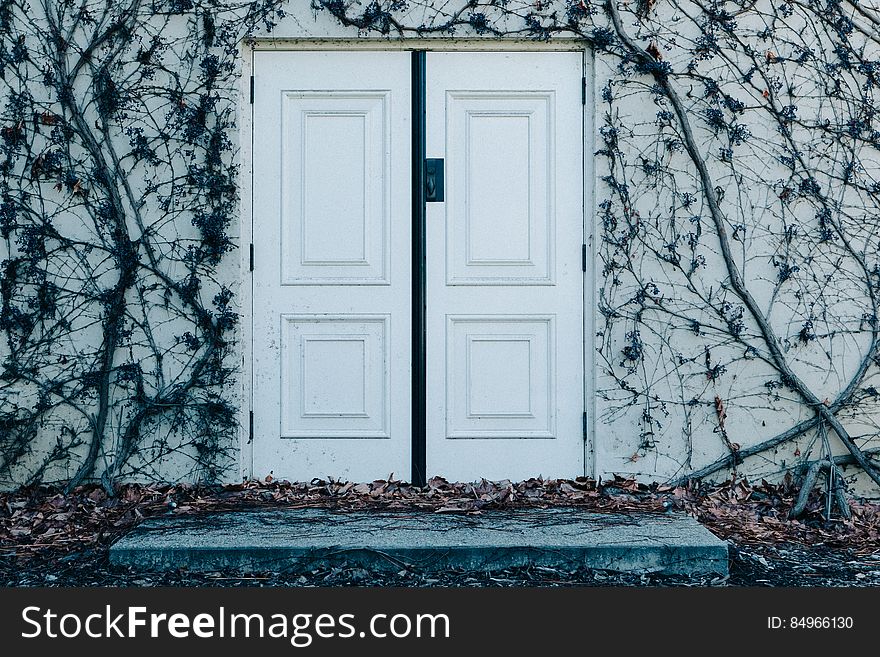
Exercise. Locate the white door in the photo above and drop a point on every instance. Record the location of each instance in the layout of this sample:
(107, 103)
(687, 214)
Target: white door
(331, 281)
(505, 373)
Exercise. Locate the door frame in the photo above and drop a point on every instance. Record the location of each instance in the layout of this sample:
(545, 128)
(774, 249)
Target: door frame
(245, 185)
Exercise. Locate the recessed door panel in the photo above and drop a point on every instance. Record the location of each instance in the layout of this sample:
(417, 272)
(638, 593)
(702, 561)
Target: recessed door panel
(335, 164)
(502, 377)
(335, 376)
(500, 157)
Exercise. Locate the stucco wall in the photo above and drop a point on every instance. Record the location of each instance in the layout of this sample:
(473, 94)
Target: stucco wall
(676, 379)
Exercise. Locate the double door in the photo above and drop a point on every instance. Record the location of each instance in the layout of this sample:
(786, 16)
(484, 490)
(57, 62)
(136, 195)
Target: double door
(337, 321)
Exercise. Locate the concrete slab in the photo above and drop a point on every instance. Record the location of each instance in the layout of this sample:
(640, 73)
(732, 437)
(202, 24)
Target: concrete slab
(302, 539)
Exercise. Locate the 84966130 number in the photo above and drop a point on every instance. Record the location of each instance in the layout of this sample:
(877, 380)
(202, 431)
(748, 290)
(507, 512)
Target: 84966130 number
(821, 622)
(810, 623)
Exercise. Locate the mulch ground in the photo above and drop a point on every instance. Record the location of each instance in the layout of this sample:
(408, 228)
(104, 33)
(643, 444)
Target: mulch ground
(48, 538)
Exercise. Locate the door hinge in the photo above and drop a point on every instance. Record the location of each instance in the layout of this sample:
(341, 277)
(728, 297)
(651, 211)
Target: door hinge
(583, 257)
(251, 255)
(252, 90)
(585, 426)
(583, 90)
(250, 426)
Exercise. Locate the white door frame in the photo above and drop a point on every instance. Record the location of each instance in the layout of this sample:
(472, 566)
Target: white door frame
(246, 157)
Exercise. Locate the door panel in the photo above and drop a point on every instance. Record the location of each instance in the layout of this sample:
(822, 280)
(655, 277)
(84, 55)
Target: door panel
(503, 377)
(334, 376)
(499, 156)
(505, 373)
(332, 280)
(339, 167)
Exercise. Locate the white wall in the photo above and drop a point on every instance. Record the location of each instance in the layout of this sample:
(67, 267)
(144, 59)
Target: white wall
(668, 382)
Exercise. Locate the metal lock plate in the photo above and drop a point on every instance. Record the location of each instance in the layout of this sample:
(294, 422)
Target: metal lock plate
(434, 180)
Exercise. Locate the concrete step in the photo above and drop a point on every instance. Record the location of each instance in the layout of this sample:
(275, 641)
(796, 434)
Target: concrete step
(299, 540)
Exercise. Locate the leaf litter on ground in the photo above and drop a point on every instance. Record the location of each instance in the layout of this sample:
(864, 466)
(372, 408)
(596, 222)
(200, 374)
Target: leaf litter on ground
(39, 519)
